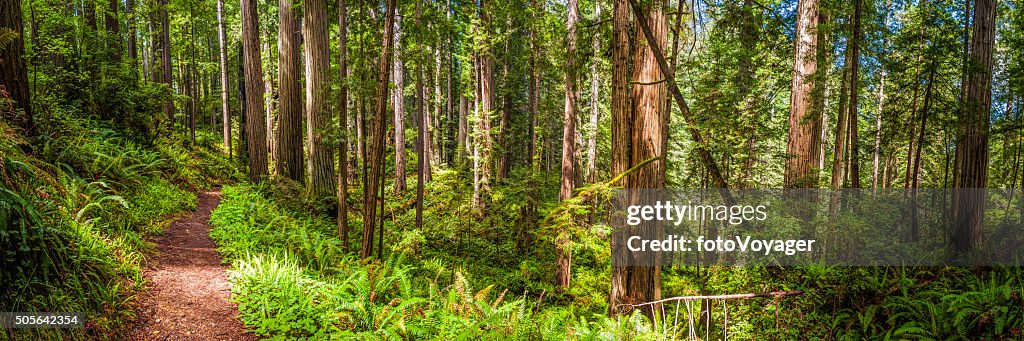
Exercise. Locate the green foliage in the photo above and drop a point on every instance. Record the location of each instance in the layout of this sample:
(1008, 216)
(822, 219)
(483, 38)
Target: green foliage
(291, 280)
(73, 221)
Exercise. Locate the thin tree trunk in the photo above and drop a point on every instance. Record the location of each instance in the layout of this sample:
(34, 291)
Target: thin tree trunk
(595, 87)
(563, 243)
(398, 98)
(852, 118)
(163, 47)
(375, 172)
(225, 104)
(343, 123)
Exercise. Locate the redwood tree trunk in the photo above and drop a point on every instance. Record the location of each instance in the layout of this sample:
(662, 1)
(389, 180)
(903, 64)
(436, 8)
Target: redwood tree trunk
(398, 97)
(343, 123)
(290, 162)
(563, 243)
(804, 123)
(255, 119)
(638, 135)
(13, 71)
(971, 171)
(320, 169)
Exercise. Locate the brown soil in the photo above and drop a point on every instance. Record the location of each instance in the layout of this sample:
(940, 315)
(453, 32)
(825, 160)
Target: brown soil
(188, 296)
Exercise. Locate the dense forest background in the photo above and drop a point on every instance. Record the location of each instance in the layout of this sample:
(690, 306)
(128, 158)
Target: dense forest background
(444, 169)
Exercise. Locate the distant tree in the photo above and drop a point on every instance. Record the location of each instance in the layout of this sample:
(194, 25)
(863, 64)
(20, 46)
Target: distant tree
(225, 104)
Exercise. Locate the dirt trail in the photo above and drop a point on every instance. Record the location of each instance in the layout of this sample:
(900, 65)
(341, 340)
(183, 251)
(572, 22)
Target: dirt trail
(188, 296)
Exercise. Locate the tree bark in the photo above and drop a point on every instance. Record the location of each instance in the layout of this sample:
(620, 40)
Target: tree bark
(376, 153)
(113, 30)
(971, 171)
(343, 123)
(224, 85)
(398, 97)
(563, 247)
(163, 47)
(320, 169)
(290, 163)
(852, 116)
(133, 49)
(255, 121)
(595, 96)
(482, 150)
(804, 122)
(13, 70)
(641, 128)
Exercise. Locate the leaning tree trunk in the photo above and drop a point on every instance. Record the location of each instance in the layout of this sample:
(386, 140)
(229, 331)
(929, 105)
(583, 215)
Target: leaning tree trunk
(290, 161)
(255, 121)
(971, 170)
(320, 169)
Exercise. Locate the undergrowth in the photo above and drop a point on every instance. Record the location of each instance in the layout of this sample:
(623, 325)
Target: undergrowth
(76, 204)
(462, 277)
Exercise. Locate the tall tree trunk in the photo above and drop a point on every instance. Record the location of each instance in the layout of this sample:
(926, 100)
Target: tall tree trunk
(644, 134)
(343, 123)
(918, 69)
(483, 135)
(255, 121)
(971, 171)
(563, 243)
(224, 103)
(842, 135)
(463, 133)
(163, 47)
(854, 91)
(804, 121)
(290, 161)
(320, 170)
(13, 70)
(531, 106)
(595, 96)
(881, 104)
(133, 49)
(376, 153)
(398, 97)
(113, 30)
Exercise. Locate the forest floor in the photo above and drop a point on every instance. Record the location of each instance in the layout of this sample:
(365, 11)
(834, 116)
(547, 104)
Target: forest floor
(188, 290)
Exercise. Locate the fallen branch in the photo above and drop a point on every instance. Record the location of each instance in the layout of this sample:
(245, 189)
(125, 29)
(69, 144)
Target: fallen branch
(717, 297)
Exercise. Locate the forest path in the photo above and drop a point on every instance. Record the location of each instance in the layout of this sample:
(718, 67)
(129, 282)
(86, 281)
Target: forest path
(188, 296)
